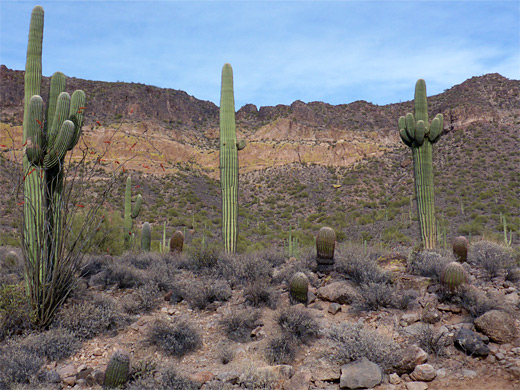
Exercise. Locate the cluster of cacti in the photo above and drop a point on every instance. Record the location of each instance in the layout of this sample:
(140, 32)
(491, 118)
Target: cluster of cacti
(146, 237)
(130, 213)
(325, 244)
(299, 287)
(417, 133)
(292, 245)
(229, 161)
(164, 246)
(453, 276)
(177, 242)
(47, 138)
(460, 248)
(117, 371)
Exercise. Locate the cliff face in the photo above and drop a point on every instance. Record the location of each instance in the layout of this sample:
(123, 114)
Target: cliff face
(156, 130)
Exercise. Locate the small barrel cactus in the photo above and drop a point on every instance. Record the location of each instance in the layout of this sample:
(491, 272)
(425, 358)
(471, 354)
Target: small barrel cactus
(117, 370)
(325, 244)
(177, 242)
(299, 287)
(460, 249)
(146, 237)
(453, 276)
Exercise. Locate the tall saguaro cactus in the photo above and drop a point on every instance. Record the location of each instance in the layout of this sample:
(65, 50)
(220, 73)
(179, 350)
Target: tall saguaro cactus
(229, 161)
(47, 138)
(418, 134)
(130, 213)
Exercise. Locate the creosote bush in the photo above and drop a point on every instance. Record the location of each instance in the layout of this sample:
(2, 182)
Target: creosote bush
(142, 300)
(492, 257)
(280, 350)
(54, 344)
(360, 266)
(297, 324)
(90, 318)
(239, 324)
(353, 342)
(201, 293)
(430, 264)
(18, 365)
(259, 294)
(175, 339)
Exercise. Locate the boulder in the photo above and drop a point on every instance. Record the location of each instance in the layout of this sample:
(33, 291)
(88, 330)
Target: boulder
(498, 325)
(360, 374)
(471, 343)
(423, 373)
(339, 292)
(412, 356)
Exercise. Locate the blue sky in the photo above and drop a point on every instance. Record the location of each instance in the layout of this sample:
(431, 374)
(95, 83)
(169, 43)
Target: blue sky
(281, 51)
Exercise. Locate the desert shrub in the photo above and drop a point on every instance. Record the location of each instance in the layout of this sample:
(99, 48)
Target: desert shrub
(90, 318)
(14, 310)
(255, 379)
(201, 293)
(298, 324)
(239, 324)
(120, 275)
(492, 257)
(54, 344)
(377, 295)
(226, 354)
(169, 379)
(11, 265)
(18, 365)
(176, 339)
(477, 302)
(201, 257)
(141, 260)
(93, 265)
(360, 266)
(431, 341)
(353, 342)
(280, 350)
(243, 269)
(142, 300)
(142, 369)
(165, 273)
(259, 293)
(430, 264)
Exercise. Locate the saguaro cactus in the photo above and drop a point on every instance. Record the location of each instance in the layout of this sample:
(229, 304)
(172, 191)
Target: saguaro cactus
(419, 135)
(47, 138)
(229, 161)
(146, 237)
(130, 213)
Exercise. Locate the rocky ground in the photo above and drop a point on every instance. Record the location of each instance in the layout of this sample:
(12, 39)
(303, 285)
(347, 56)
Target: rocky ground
(434, 339)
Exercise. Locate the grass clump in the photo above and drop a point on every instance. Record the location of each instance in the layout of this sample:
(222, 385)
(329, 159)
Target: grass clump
(176, 339)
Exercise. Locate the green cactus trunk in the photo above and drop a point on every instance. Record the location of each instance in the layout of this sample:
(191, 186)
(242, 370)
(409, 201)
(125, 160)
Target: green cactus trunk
(117, 371)
(130, 213)
(146, 237)
(46, 141)
(419, 135)
(228, 162)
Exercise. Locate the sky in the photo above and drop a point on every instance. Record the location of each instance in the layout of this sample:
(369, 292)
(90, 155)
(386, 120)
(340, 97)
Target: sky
(281, 51)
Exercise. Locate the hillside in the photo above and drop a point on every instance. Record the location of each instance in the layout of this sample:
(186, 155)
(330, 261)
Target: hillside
(304, 165)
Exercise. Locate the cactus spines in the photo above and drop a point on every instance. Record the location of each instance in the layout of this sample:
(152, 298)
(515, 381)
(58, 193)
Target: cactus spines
(299, 287)
(229, 161)
(453, 276)
(146, 237)
(131, 213)
(117, 370)
(418, 134)
(460, 248)
(177, 242)
(325, 244)
(46, 138)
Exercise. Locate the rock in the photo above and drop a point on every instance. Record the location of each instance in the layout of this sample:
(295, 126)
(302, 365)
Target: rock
(299, 381)
(394, 379)
(281, 371)
(469, 374)
(99, 377)
(52, 376)
(416, 386)
(66, 371)
(83, 372)
(430, 315)
(229, 377)
(311, 297)
(471, 343)
(69, 381)
(81, 383)
(360, 374)
(441, 373)
(334, 308)
(423, 373)
(410, 318)
(498, 325)
(413, 330)
(339, 292)
(202, 377)
(412, 357)
(322, 370)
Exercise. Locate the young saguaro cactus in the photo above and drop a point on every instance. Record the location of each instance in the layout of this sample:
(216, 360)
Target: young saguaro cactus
(146, 237)
(418, 134)
(117, 370)
(229, 148)
(325, 244)
(130, 213)
(46, 138)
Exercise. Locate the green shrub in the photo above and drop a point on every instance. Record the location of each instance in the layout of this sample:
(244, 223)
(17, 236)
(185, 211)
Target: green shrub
(15, 310)
(175, 339)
